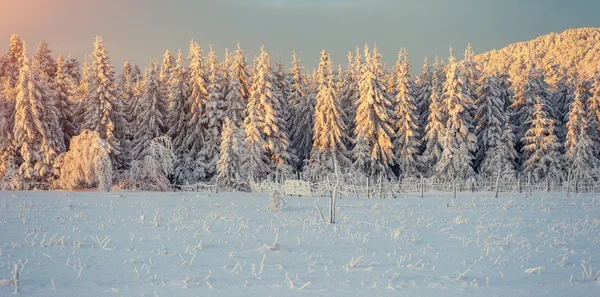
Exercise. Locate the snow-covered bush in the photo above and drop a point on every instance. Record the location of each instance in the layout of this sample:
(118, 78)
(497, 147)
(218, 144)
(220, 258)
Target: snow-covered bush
(153, 171)
(276, 203)
(86, 164)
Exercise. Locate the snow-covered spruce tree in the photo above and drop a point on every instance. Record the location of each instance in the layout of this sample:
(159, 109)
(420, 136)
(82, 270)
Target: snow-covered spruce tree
(224, 70)
(458, 142)
(270, 115)
(86, 164)
(237, 94)
(178, 114)
(282, 91)
(435, 124)
(103, 110)
(328, 154)
(16, 54)
(561, 99)
(8, 156)
(150, 123)
(212, 119)
(239, 69)
(349, 95)
(152, 172)
(43, 57)
(37, 133)
(302, 105)
(373, 151)
(471, 76)
(72, 70)
(255, 161)
(502, 155)
(81, 95)
(580, 149)
(406, 119)
(524, 105)
(228, 167)
(168, 64)
(489, 120)
(422, 94)
(593, 112)
(132, 87)
(495, 136)
(540, 146)
(65, 90)
(191, 170)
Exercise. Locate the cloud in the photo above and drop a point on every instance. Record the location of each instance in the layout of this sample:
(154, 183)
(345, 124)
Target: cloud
(318, 4)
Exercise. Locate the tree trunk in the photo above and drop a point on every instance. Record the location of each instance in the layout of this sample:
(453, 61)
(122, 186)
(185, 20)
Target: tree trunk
(454, 187)
(569, 182)
(335, 191)
(380, 185)
(497, 183)
(529, 183)
(422, 187)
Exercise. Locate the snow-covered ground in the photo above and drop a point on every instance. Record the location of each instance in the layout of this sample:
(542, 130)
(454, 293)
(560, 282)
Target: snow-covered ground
(190, 244)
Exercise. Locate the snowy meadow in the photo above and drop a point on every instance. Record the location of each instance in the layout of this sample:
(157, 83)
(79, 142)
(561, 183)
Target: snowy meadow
(231, 244)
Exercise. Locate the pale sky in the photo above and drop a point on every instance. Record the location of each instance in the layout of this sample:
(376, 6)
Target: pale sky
(137, 30)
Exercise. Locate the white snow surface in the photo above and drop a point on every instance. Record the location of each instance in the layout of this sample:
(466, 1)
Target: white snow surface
(214, 244)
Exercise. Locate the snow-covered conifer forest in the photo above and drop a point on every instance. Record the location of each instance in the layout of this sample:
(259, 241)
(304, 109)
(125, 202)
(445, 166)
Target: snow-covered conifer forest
(527, 113)
(184, 139)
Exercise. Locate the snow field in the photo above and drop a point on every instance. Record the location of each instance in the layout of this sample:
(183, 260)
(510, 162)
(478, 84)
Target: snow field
(230, 244)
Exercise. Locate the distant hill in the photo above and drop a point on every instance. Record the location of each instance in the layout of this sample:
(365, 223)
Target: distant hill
(576, 49)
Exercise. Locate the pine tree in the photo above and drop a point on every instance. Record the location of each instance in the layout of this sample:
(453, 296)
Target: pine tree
(256, 163)
(349, 96)
(8, 157)
(224, 69)
(271, 114)
(436, 122)
(196, 130)
(178, 114)
(540, 145)
(237, 95)
(43, 57)
(36, 130)
(16, 54)
(229, 158)
(580, 149)
(373, 152)
(561, 99)
(593, 112)
(472, 77)
(80, 97)
(302, 115)
(266, 115)
(501, 155)
(126, 84)
(282, 83)
(215, 105)
(240, 71)
(71, 69)
(328, 153)
(103, 110)
(150, 123)
(65, 90)
(458, 141)
(489, 119)
(167, 66)
(422, 94)
(524, 105)
(406, 118)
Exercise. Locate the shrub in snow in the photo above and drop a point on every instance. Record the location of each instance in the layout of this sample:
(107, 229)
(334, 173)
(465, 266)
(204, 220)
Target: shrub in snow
(86, 164)
(152, 172)
(276, 202)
